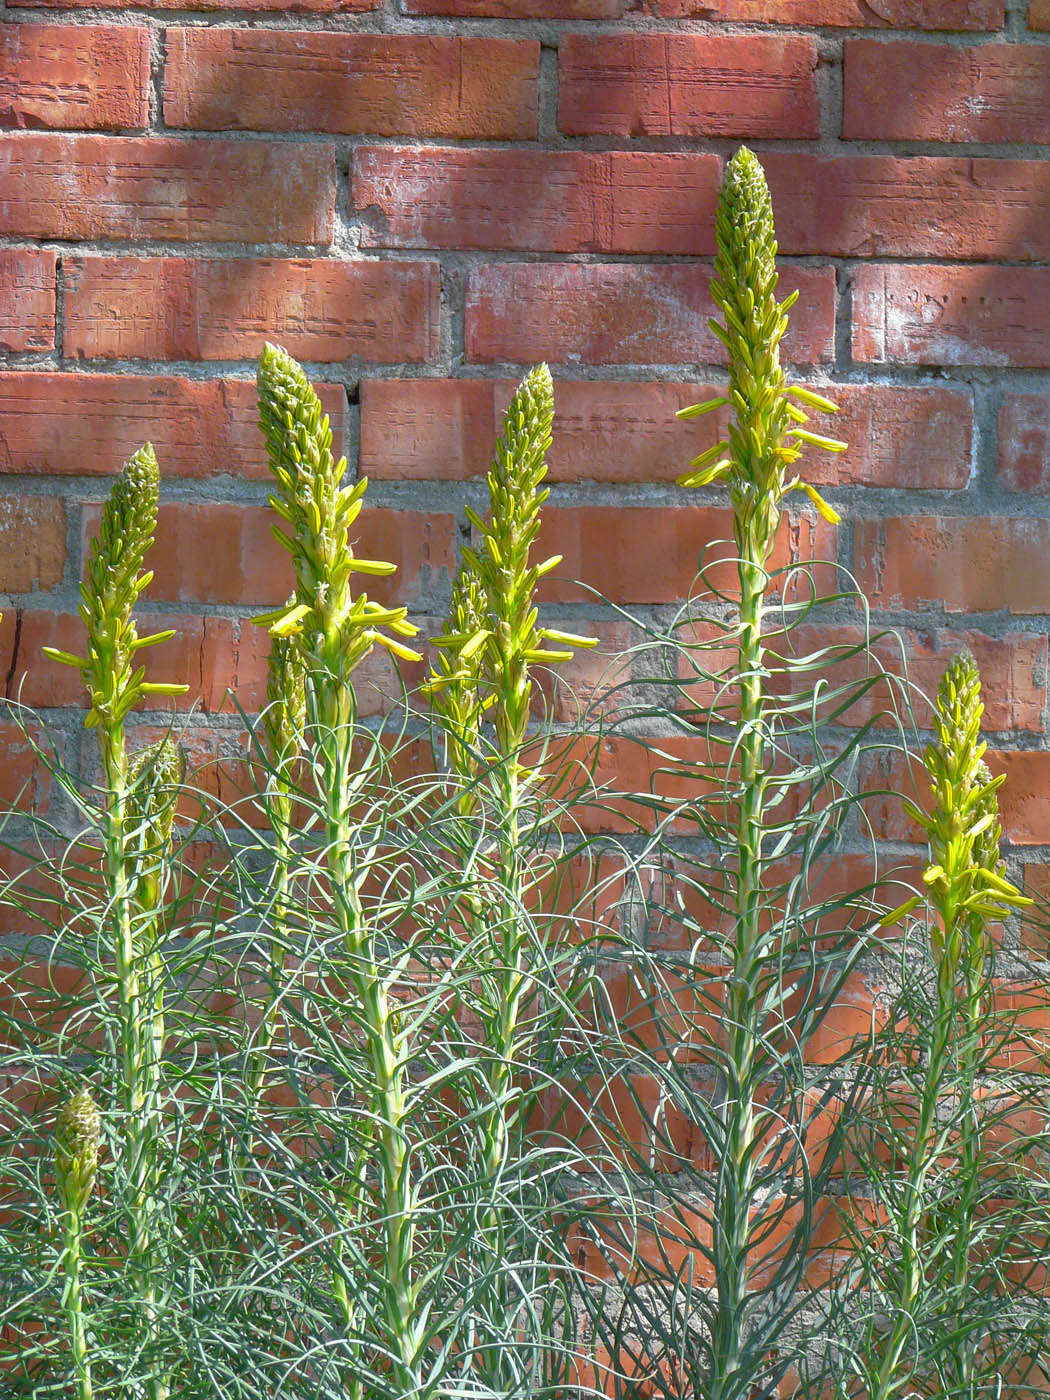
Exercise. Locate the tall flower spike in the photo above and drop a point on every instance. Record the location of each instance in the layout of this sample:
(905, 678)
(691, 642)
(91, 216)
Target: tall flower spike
(456, 681)
(766, 433)
(154, 774)
(337, 628)
(78, 1134)
(109, 593)
(500, 559)
(964, 877)
(284, 720)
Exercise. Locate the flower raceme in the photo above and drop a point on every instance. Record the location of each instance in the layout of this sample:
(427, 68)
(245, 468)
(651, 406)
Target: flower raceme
(78, 1134)
(493, 633)
(336, 628)
(767, 434)
(109, 593)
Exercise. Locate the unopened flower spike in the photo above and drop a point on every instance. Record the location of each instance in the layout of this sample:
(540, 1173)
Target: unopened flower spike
(456, 684)
(964, 879)
(154, 776)
(78, 1135)
(284, 721)
(335, 628)
(766, 434)
(501, 564)
(109, 592)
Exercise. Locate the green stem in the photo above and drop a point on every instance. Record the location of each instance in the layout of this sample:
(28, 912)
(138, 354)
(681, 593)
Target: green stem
(389, 1106)
(736, 1189)
(72, 1303)
(891, 1377)
(141, 1044)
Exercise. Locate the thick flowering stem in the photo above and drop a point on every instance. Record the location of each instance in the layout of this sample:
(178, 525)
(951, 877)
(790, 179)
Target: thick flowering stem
(78, 1134)
(489, 643)
(115, 684)
(334, 629)
(966, 891)
(764, 440)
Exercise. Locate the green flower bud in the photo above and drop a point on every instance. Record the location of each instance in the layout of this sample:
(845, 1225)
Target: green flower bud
(154, 775)
(78, 1134)
(335, 628)
(284, 721)
(109, 592)
(766, 434)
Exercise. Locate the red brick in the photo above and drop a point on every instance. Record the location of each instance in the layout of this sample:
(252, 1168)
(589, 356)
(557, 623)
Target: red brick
(558, 201)
(915, 206)
(182, 309)
(986, 92)
(1039, 15)
(932, 315)
(688, 85)
(88, 425)
(611, 430)
(650, 555)
(1024, 443)
(226, 553)
(32, 543)
(27, 299)
(313, 7)
(58, 186)
(623, 313)
(1024, 798)
(1013, 670)
(58, 75)
(965, 563)
(386, 85)
(851, 14)
(520, 9)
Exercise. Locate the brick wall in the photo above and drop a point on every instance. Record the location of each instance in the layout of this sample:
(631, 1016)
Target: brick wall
(420, 199)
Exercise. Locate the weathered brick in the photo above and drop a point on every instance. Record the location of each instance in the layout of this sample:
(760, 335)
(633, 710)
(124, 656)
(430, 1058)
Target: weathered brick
(915, 206)
(650, 555)
(963, 563)
(183, 309)
(60, 186)
(27, 299)
(1039, 15)
(386, 85)
(59, 75)
(851, 14)
(262, 7)
(986, 92)
(219, 553)
(933, 315)
(88, 425)
(611, 430)
(32, 543)
(688, 85)
(620, 313)
(520, 9)
(1024, 798)
(559, 201)
(1024, 443)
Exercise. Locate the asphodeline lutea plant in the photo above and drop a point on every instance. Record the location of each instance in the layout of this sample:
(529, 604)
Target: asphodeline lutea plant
(333, 628)
(766, 437)
(966, 890)
(78, 1134)
(116, 682)
(489, 643)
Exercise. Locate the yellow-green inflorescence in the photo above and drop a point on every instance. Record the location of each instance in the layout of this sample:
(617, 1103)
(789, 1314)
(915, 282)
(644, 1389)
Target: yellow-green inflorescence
(336, 626)
(766, 432)
(965, 883)
(493, 634)
(111, 587)
(78, 1135)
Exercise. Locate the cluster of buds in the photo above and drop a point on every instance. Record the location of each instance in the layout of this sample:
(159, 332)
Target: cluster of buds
(78, 1134)
(335, 627)
(493, 633)
(109, 592)
(766, 432)
(967, 887)
(284, 720)
(154, 775)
